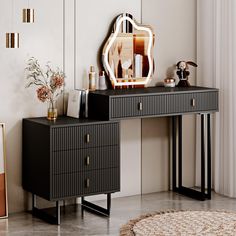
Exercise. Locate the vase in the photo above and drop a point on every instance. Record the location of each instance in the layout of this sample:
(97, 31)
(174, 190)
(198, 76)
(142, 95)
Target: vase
(52, 111)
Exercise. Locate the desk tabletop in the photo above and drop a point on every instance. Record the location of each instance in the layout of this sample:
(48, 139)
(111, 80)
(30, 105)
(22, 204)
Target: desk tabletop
(64, 120)
(152, 91)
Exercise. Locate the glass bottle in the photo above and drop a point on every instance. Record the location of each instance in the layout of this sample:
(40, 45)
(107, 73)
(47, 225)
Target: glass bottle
(52, 111)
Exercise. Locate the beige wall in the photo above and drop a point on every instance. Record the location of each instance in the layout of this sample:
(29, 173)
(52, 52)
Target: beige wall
(92, 24)
(43, 40)
(75, 47)
(174, 23)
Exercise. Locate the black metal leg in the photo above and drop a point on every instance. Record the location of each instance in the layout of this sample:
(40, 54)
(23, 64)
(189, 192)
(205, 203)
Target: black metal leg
(209, 156)
(202, 195)
(42, 214)
(180, 150)
(202, 153)
(58, 216)
(109, 203)
(174, 153)
(33, 201)
(95, 208)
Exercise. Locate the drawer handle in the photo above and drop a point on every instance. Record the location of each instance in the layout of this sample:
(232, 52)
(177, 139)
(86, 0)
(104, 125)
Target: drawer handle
(193, 102)
(87, 160)
(87, 138)
(87, 183)
(140, 106)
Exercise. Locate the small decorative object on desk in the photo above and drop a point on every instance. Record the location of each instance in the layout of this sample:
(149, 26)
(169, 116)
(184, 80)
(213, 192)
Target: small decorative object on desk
(102, 81)
(169, 82)
(50, 84)
(92, 79)
(74, 102)
(183, 72)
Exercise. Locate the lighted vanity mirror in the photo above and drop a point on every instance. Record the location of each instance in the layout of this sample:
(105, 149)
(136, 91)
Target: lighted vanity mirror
(128, 53)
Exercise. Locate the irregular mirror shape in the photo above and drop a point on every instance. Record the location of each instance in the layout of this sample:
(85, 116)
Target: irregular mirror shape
(128, 53)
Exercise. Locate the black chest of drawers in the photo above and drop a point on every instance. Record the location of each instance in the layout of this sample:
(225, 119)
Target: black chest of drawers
(70, 157)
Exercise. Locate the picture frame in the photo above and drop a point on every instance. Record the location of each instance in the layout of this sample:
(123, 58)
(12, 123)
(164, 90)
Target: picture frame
(3, 174)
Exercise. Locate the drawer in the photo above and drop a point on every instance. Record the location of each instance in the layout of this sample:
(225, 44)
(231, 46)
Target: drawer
(85, 136)
(85, 159)
(166, 104)
(192, 102)
(126, 107)
(85, 183)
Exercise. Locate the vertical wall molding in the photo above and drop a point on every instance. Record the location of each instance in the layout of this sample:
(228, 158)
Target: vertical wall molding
(64, 34)
(141, 128)
(141, 11)
(69, 38)
(75, 42)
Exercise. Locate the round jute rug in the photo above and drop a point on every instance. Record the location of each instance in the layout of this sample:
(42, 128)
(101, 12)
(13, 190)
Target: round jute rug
(184, 223)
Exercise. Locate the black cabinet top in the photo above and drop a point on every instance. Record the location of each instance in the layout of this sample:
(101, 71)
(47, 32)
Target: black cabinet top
(152, 91)
(64, 121)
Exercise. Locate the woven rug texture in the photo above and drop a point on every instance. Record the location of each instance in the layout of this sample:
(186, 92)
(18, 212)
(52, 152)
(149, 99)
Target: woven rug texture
(182, 223)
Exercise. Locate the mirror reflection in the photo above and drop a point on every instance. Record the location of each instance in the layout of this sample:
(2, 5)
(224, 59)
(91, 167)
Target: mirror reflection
(128, 52)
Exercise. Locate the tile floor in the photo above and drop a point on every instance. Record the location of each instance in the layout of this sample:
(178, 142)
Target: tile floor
(123, 209)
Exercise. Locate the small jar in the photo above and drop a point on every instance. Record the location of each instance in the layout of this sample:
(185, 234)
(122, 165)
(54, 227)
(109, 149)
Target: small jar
(169, 82)
(102, 81)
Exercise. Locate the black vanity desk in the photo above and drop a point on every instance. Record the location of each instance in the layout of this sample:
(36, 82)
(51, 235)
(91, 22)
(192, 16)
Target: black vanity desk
(160, 102)
(73, 158)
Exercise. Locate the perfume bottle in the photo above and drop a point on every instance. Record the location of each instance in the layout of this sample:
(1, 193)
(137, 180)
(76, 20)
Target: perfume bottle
(102, 81)
(92, 79)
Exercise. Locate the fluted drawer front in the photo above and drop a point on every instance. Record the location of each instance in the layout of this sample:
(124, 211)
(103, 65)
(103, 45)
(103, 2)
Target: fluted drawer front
(85, 183)
(85, 159)
(206, 101)
(179, 103)
(192, 102)
(75, 137)
(158, 105)
(126, 107)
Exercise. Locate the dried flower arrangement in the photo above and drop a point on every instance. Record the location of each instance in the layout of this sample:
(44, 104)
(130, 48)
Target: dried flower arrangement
(50, 83)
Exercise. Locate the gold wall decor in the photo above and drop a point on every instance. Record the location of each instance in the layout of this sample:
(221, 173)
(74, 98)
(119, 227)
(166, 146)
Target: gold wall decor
(28, 15)
(12, 40)
(3, 176)
(128, 53)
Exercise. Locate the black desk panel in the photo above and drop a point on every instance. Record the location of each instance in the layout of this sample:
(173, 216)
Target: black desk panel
(151, 102)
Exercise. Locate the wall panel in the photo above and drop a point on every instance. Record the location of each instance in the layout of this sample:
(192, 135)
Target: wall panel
(93, 19)
(69, 33)
(174, 23)
(43, 40)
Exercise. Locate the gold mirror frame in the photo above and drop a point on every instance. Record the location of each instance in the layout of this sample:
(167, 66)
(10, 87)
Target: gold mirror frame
(121, 19)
